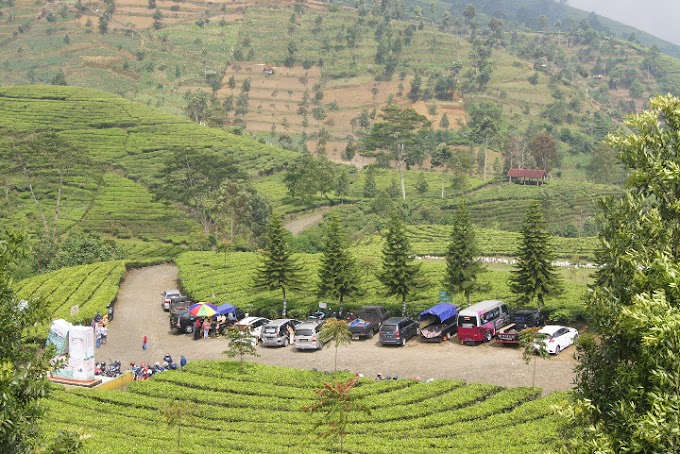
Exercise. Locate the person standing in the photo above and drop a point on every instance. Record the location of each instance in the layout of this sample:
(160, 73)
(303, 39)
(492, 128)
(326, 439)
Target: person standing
(104, 334)
(144, 343)
(206, 328)
(182, 361)
(98, 335)
(110, 308)
(197, 329)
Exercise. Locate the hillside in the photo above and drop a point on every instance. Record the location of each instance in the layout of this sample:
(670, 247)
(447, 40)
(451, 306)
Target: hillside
(328, 64)
(226, 409)
(124, 147)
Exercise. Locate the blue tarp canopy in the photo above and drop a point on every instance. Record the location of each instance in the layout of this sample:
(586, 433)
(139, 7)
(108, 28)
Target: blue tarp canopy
(224, 309)
(444, 311)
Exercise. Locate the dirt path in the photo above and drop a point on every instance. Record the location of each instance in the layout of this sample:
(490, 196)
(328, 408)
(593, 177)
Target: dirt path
(296, 226)
(138, 312)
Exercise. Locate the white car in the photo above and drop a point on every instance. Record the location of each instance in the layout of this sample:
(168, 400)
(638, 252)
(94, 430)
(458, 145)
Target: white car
(557, 338)
(254, 326)
(167, 295)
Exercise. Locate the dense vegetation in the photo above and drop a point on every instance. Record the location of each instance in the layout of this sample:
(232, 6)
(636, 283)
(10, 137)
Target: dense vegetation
(224, 409)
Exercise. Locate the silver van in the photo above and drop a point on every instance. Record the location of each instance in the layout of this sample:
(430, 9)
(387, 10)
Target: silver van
(307, 335)
(277, 332)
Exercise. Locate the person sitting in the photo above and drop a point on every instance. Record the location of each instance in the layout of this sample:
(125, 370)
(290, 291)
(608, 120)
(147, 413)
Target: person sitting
(167, 358)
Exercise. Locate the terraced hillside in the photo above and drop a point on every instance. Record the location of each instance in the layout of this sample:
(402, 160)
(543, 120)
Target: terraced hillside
(260, 411)
(125, 146)
(90, 287)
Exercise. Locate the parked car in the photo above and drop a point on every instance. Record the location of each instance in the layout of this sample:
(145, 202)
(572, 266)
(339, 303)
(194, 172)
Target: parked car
(368, 321)
(557, 338)
(182, 321)
(254, 326)
(276, 333)
(519, 320)
(307, 335)
(397, 330)
(167, 295)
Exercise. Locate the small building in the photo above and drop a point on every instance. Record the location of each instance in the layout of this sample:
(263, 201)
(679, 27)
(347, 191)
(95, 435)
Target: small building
(535, 176)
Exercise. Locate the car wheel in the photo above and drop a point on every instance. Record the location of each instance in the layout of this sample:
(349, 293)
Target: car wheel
(557, 350)
(286, 342)
(370, 334)
(403, 341)
(189, 329)
(488, 336)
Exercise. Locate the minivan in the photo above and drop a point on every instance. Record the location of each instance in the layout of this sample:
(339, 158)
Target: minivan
(397, 330)
(276, 333)
(307, 335)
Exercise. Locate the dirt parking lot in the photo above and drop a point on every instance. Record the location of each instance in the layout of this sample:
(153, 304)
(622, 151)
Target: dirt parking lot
(138, 312)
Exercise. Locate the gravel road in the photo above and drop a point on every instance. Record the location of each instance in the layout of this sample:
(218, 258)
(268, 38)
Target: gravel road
(138, 312)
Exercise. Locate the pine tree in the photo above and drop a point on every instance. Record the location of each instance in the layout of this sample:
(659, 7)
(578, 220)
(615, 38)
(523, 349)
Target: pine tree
(370, 187)
(462, 268)
(421, 183)
(338, 275)
(278, 269)
(399, 274)
(534, 276)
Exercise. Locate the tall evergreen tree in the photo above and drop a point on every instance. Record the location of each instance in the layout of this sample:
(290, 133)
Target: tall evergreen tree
(462, 268)
(370, 186)
(278, 270)
(534, 276)
(399, 274)
(627, 381)
(339, 275)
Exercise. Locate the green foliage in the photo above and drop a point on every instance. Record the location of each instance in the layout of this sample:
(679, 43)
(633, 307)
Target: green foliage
(337, 402)
(634, 306)
(24, 362)
(533, 346)
(241, 344)
(534, 277)
(455, 414)
(399, 274)
(278, 270)
(338, 274)
(336, 331)
(463, 270)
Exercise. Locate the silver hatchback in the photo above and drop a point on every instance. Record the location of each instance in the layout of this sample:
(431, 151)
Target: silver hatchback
(277, 333)
(307, 335)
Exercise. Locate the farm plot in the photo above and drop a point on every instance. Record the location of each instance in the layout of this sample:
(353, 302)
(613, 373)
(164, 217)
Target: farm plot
(229, 278)
(90, 287)
(259, 410)
(124, 208)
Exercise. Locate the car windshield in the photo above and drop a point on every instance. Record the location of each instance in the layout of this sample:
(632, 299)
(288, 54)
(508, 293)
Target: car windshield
(389, 328)
(303, 332)
(270, 329)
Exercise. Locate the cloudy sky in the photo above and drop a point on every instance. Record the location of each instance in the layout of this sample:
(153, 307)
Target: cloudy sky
(661, 18)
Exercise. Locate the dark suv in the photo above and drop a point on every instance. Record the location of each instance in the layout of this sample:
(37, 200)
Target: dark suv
(182, 321)
(397, 330)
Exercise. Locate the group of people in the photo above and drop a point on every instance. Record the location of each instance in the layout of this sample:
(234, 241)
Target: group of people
(100, 323)
(144, 371)
(212, 327)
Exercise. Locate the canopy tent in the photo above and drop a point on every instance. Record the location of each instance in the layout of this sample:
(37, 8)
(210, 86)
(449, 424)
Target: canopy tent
(443, 311)
(224, 309)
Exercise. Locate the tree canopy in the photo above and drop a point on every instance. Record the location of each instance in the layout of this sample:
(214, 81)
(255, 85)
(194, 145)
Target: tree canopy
(627, 377)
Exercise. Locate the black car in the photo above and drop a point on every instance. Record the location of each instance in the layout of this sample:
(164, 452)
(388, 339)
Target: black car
(526, 318)
(397, 330)
(183, 321)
